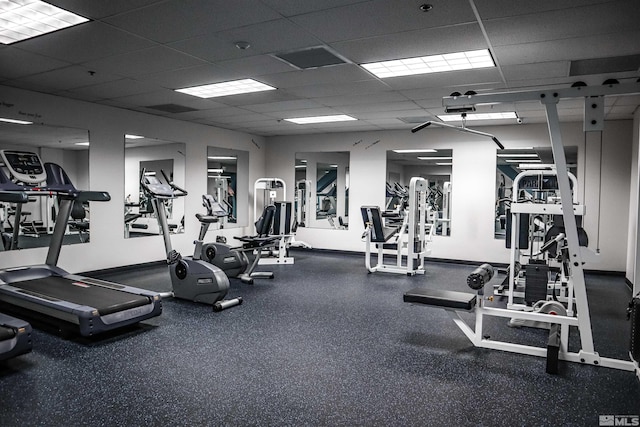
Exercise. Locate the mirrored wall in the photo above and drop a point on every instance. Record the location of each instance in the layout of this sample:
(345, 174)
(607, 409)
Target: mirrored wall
(433, 165)
(34, 221)
(322, 190)
(510, 163)
(166, 161)
(227, 184)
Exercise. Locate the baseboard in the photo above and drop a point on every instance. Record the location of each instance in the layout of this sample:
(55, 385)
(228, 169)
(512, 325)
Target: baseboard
(124, 268)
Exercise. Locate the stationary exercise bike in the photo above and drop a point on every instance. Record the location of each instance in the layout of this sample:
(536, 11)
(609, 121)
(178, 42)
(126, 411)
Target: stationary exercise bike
(191, 279)
(234, 261)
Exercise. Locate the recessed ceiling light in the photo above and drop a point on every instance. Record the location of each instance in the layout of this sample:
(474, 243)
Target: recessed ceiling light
(25, 19)
(444, 164)
(435, 158)
(517, 155)
(301, 166)
(479, 116)
(431, 64)
(215, 170)
(82, 143)
(129, 136)
(221, 157)
(321, 119)
(234, 87)
(417, 150)
(15, 121)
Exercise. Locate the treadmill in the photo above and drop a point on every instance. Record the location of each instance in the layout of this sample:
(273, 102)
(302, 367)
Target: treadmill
(15, 334)
(49, 293)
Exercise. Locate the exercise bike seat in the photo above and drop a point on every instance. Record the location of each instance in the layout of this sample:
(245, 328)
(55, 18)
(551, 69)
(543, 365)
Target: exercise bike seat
(206, 219)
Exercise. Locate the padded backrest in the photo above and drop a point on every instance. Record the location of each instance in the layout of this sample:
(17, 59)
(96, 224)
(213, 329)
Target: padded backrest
(265, 222)
(207, 202)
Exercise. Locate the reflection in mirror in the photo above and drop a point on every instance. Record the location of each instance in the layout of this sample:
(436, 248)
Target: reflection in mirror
(433, 165)
(68, 148)
(510, 163)
(159, 158)
(228, 183)
(322, 190)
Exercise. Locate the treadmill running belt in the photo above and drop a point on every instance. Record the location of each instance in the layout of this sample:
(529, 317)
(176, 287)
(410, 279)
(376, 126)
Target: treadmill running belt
(105, 300)
(6, 333)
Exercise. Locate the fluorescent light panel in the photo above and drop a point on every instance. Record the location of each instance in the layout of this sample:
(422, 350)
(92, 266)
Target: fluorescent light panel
(129, 136)
(24, 19)
(221, 157)
(419, 150)
(515, 155)
(479, 116)
(434, 158)
(215, 170)
(15, 121)
(234, 87)
(431, 64)
(85, 144)
(444, 164)
(521, 160)
(321, 119)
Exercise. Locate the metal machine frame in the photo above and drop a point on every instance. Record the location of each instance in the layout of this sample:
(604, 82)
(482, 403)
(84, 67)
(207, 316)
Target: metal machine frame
(594, 117)
(412, 236)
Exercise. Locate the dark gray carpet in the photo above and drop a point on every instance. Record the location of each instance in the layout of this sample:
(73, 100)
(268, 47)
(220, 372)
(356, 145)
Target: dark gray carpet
(324, 343)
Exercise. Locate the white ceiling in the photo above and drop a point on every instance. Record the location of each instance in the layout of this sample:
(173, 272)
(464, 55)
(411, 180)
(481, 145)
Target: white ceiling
(134, 53)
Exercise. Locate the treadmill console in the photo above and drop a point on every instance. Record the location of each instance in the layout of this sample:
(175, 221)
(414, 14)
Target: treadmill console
(24, 166)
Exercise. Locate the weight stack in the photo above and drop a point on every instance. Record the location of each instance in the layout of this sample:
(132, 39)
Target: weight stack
(537, 277)
(634, 348)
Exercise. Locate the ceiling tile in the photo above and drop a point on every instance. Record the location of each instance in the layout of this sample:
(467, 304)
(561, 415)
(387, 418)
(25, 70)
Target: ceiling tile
(69, 77)
(354, 88)
(298, 7)
(408, 44)
(507, 8)
(174, 20)
(382, 17)
(100, 9)
(449, 79)
(298, 104)
(326, 75)
(115, 89)
(85, 42)
(254, 66)
(374, 98)
(192, 76)
(19, 63)
(146, 61)
(597, 46)
(593, 20)
(535, 71)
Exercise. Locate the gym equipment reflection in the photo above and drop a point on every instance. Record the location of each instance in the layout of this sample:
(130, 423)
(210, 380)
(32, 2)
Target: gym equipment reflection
(322, 190)
(227, 183)
(153, 156)
(31, 225)
(434, 166)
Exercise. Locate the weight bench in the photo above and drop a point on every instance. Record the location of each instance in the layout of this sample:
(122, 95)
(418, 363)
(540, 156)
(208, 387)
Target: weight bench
(449, 300)
(453, 302)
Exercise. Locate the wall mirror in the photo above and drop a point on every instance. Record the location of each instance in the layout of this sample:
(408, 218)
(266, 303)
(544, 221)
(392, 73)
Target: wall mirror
(158, 158)
(511, 162)
(35, 221)
(228, 184)
(322, 190)
(433, 165)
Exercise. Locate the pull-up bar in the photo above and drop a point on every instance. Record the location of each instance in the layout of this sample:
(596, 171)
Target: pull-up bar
(460, 128)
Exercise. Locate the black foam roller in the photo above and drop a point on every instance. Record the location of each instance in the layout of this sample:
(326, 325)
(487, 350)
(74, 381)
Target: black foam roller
(480, 276)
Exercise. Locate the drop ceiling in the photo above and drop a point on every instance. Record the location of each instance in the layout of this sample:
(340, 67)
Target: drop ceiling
(133, 54)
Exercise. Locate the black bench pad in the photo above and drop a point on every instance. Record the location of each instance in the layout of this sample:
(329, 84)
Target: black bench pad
(441, 298)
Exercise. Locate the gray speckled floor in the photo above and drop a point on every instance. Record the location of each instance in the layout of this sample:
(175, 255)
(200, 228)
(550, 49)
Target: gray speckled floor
(324, 343)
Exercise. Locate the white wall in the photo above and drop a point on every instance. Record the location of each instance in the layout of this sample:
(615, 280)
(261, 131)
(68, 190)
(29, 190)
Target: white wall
(633, 260)
(107, 125)
(473, 182)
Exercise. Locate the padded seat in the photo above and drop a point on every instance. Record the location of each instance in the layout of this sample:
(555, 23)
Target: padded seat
(441, 298)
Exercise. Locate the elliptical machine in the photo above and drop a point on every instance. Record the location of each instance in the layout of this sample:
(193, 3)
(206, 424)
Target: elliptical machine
(191, 279)
(234, 261)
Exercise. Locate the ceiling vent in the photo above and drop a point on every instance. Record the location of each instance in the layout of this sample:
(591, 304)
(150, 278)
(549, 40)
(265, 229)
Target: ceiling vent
(171, 108)
(614, 64)
(314, 57)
